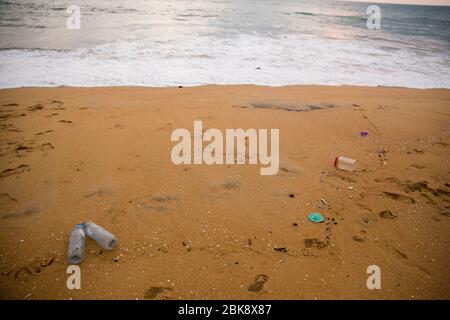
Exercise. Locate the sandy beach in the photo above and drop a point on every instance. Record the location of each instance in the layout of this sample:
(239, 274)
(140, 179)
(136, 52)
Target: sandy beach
(69, 155)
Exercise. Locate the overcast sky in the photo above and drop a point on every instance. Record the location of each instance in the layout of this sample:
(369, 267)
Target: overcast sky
(431, 2)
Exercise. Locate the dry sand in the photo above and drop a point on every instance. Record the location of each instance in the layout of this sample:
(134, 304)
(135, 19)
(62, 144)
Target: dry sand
(197, 231)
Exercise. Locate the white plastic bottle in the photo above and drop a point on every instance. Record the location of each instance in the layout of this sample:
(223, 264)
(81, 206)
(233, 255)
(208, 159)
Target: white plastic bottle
(103, 237)
(345, 163)
(76, 251)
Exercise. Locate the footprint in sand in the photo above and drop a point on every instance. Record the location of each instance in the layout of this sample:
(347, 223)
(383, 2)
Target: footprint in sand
(421, 187)
(343, 177)
(100, 192)
(15, 171)
(6, 110)
(164, 198)
(10, 128)
(161, 203)
(167, 126)
(24, 213)
(115, 213)
(152, 207)
(259, 283)
(231, 184)
(358, 238)
(382, 156)
(399, 197)
(241, 107)
(35, 268)
(367, 222)
(118, 126)
(404, 258)
(364, 207)
(385, 107)
(153, 292)
(46, 146)
(387, 214)
(7, 204)
(417, 166)
(440, 143)
(12, 115)
(57, 105)
(43, 132)
(36, 107)
(314, 243)
(293, 108)
(287, 169)
(281, 249)
(6, 199)
(401, 254)
(21, 150)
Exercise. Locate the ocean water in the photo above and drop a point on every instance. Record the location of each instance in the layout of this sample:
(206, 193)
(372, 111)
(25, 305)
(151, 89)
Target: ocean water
(194, 42)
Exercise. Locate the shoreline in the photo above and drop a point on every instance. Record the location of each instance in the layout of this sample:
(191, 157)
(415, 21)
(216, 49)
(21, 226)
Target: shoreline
(226, 85)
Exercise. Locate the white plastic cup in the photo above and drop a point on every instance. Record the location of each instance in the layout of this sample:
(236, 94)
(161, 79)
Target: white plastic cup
(344, 163)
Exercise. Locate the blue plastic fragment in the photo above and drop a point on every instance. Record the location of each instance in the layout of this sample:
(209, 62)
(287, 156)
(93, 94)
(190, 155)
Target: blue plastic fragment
(315, 217)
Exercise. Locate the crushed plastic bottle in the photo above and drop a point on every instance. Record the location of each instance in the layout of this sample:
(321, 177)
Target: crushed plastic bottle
(345, 163)
(76, 251)
(103, 237)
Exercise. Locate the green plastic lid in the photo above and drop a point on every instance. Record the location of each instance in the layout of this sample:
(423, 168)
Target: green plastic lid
(315, 217)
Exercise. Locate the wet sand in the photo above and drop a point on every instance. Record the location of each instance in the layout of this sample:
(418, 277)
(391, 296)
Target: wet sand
(69, 155)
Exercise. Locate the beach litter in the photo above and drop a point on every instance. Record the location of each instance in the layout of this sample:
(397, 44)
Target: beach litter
(104, 238)
(315, 217)
(77, 239)
(387, 214)
(363, 133)
(344, 163)
(76, 251)
(323, 203)
(258, 284)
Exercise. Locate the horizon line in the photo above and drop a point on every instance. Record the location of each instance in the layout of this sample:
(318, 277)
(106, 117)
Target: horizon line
(399, 3)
